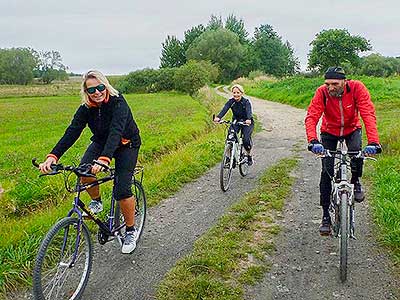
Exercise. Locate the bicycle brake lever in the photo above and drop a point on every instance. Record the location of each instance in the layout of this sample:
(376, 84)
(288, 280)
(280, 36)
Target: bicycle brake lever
(49, 174)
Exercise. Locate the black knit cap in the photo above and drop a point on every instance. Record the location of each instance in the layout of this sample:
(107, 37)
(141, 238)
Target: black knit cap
(335, 73)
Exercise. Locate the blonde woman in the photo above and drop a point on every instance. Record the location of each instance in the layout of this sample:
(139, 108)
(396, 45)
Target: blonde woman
(115, 135)
(242, 111)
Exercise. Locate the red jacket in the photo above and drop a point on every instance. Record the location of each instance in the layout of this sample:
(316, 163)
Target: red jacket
(340, 114)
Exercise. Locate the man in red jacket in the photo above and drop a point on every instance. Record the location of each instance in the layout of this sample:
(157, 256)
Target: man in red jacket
(339, 102)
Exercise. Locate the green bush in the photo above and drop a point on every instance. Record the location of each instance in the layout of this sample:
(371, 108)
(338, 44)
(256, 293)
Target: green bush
(191, 77)
(147, 81)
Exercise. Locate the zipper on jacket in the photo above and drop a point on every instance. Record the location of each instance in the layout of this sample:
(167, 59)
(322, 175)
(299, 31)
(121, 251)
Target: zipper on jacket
(99, 120)
(341, 117)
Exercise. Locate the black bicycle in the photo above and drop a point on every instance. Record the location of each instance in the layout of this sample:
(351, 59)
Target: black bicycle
(234, 155)
(342, 201)
(64, 259)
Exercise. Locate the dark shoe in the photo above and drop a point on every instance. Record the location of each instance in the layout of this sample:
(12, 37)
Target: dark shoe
(249, 160)
(358, 192)
(326, 226)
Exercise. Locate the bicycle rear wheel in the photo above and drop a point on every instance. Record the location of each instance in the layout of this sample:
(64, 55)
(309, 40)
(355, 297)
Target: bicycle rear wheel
(140, 210)
(344, 236)
(225, 173)
(243, 164)
(63, 264)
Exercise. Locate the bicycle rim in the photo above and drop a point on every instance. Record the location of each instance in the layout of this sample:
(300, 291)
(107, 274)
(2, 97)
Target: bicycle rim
(344, 236)
(54, 275)
(226, 169)
(243, 164)
(140, 207)
(140, 210)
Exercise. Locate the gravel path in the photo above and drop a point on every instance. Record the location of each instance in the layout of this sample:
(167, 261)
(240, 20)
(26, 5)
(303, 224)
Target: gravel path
(305, 265)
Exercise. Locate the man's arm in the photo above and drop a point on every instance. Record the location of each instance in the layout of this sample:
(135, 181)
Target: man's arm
(314, 113)
(367, 112)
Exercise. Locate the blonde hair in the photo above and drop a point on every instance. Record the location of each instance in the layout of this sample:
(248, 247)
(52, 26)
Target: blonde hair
(238, 86)
(101, 78)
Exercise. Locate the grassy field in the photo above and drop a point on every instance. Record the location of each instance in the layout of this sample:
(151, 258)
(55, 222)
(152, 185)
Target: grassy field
(179, 144)
(385, 174)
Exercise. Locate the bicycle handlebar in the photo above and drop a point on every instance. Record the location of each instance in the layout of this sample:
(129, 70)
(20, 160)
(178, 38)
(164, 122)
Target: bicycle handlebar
(234, 122)
(83, 170)
(335, 153)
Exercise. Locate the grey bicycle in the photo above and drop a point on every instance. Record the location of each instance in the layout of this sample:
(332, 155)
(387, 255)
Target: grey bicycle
(234, 155)
(342, 201)
(64, 259)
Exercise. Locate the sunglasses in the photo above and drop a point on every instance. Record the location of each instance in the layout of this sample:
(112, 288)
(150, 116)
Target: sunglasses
(92, 90)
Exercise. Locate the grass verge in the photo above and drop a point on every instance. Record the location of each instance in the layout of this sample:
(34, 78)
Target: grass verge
(233, 252)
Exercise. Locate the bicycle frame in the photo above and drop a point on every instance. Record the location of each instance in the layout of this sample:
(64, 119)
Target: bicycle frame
(341, 185)
(236, 142)
(78, 205)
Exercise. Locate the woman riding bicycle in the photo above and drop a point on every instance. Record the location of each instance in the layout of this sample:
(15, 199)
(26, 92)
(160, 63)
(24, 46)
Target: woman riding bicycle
(242, 111)
(115, 135)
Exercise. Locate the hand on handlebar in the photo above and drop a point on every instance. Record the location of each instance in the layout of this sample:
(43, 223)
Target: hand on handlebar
(216, 120)
(97, 166)
(372, 149)
(45, 167)
(316, 147)
(247, 122)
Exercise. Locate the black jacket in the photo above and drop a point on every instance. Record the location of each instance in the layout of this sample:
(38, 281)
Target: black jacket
(241, 110)
(109, 123)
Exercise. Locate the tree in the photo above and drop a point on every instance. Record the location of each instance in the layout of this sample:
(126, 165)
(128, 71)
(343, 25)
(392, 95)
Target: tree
(191, 35)
(271, 55)
(215, 23)
(172, 53)
(378, 65)
(17, 65)
(335, 47)
(220, 47)
(50, 66)
(236, 26)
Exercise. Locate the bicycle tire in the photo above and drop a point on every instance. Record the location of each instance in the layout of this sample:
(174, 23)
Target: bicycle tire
(140, 210)
(243, 164)
(344, 236)
(52, 271)
(225, 173)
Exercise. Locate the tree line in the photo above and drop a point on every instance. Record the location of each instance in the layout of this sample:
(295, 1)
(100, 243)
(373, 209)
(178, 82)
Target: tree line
(222, 51)
(22, 65)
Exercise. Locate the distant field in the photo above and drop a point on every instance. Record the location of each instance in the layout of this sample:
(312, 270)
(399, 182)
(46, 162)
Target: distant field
(70, 87)
(179, 144)
(385, 174)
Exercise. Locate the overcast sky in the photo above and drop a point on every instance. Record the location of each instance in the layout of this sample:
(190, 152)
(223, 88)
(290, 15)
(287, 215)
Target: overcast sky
(120, 36)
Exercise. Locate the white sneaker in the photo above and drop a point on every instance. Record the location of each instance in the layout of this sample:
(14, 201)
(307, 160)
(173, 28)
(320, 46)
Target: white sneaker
(129, 242)
(95, 207)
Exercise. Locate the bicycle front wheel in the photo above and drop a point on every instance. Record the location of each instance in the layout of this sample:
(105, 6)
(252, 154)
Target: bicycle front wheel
(63, 262)
(243, 164)
(225, 173)
(344, 236)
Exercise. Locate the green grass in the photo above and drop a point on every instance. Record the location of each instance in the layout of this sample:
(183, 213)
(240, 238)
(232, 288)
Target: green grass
(188, 144)
(385, 173)
(232, 253)
(30, 127)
